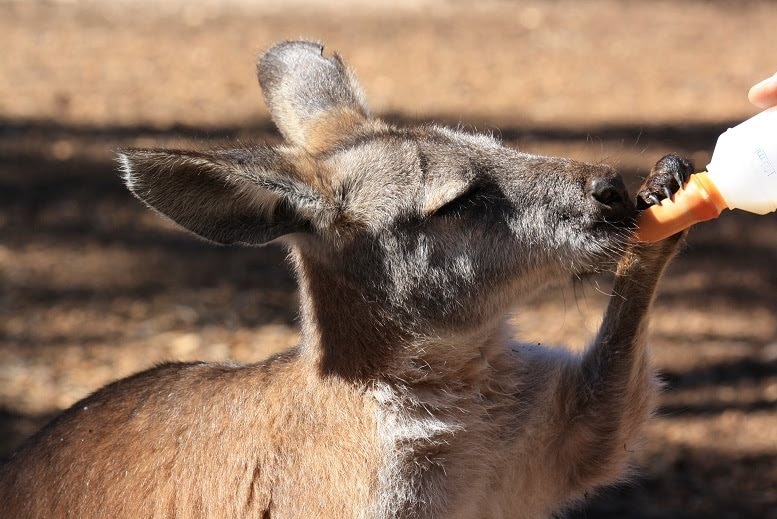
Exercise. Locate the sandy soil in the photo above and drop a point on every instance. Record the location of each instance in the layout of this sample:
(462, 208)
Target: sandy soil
(94, 287)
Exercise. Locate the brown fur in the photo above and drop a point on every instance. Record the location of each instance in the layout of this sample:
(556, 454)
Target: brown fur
(405, 397)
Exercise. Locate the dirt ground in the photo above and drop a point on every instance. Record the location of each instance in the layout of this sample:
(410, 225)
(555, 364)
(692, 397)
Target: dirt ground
(95, 287)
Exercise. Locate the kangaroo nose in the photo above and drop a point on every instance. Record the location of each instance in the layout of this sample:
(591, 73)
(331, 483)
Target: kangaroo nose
(610, 193)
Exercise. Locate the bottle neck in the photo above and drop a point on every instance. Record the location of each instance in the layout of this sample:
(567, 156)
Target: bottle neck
(712, 201)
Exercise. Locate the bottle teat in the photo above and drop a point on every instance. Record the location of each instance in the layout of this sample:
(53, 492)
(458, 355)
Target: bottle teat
(699, 200)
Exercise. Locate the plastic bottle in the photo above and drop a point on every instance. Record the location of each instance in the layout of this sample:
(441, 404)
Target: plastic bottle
(742, 174)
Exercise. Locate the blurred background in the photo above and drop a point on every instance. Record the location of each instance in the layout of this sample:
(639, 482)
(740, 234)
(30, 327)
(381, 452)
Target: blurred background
(94, 287)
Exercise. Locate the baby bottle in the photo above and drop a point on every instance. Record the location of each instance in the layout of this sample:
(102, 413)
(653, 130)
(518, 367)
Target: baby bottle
(742, 174)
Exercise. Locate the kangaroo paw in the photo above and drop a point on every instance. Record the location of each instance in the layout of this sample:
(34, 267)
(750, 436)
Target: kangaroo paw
(666, 177)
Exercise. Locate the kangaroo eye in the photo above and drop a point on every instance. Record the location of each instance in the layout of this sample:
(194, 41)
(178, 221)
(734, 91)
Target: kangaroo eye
(474, 197)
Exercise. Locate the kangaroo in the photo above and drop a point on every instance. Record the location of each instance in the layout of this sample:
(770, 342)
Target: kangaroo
(405, 396)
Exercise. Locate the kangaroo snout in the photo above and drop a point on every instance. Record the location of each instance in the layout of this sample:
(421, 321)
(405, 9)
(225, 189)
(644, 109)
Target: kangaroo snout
(611, 196)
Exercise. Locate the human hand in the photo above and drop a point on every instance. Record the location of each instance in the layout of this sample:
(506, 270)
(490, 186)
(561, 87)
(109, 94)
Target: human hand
(764, 94)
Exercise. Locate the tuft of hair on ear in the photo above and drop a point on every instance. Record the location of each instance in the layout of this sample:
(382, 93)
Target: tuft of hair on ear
(249, 196)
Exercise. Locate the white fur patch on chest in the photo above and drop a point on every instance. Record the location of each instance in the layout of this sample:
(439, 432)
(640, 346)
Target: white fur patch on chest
(414, 437)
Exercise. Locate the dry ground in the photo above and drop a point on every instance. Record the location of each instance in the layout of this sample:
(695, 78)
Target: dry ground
(94, 287)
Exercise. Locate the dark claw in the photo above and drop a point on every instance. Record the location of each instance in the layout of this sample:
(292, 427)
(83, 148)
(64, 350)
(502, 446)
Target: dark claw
(680, 177)
(666, 178)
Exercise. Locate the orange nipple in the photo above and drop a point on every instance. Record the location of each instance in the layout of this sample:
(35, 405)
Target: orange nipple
(699, 200)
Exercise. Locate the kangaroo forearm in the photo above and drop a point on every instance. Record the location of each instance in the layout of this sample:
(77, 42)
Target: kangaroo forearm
(619, 347)
(613, 387)
(615, 368)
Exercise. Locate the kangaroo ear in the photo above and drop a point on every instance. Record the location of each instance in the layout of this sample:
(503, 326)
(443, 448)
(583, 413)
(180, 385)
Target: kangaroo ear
(237, 196)
(314, 100)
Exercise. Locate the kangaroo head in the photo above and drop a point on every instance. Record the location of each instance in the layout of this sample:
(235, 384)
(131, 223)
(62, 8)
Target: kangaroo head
(423, 230)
